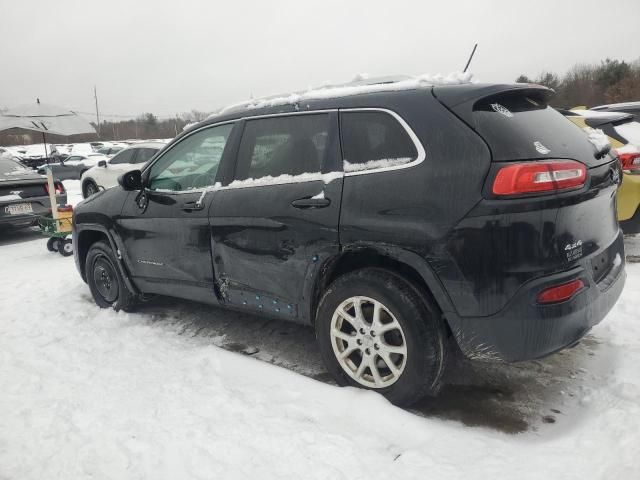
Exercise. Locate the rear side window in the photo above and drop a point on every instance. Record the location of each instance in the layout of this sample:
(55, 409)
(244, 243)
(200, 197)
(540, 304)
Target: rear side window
(277, 146)
(144, 154)
(519, 126)
(126, 156)
(374, 140)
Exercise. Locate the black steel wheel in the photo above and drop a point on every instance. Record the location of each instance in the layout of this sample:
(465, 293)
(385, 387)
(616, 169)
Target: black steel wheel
(104, 278)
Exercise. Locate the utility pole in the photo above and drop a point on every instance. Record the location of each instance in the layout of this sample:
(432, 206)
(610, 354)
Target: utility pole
(95, 95)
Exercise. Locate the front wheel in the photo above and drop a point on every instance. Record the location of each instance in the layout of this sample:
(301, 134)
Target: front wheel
(104, 278)
(376, 332)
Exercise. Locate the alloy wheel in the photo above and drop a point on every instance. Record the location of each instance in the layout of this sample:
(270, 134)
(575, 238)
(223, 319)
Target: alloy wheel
(368, 342)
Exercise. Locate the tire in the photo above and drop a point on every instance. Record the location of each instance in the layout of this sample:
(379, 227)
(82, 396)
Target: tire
(89, 188)
(413, 325)
(53, 244)
(65, 247)
(104, 279)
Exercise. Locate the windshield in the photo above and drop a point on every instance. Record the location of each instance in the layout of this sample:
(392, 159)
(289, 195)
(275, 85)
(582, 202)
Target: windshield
(630, 131)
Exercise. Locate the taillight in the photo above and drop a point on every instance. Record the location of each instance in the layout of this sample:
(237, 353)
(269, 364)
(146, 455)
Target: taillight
(629, 161)
(59, 188)
(539, 176)
(560, 293)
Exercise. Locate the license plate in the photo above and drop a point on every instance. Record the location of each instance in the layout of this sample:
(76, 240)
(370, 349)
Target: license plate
(19, 209)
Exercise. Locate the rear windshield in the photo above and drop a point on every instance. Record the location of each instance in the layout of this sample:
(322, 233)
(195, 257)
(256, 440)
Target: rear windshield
(521, 126)
(8, 167)
(629, 131)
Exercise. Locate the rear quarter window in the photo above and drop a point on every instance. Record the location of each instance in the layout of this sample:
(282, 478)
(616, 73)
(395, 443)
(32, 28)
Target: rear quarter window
(373, 139)
(517, 126)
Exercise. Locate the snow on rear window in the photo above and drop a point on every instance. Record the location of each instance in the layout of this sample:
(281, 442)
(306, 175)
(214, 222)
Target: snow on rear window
(630, 131)
(597, 137)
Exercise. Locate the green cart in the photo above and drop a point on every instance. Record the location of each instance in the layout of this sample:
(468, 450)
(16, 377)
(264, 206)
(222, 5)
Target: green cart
(59, 231)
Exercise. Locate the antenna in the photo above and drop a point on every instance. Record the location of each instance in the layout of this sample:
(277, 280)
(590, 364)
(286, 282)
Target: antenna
(95, 95)
(470, 57)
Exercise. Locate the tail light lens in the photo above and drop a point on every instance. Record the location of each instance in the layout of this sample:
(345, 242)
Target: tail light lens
(560, 293)
(540, 176)
(59, 188)
(630, 160)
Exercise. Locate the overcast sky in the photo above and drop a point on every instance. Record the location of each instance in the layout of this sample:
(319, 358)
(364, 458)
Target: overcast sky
(168, 57)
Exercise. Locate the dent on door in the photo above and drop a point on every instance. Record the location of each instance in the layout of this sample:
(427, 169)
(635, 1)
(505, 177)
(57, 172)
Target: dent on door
(268, 245)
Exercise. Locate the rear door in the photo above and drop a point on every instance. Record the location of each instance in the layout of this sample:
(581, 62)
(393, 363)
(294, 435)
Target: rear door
(277, 222)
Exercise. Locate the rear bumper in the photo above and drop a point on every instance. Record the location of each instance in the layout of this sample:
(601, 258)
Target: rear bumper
(526, 330)
(40, 206)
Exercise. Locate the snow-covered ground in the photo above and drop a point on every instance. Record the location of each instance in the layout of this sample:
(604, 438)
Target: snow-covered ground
(180, 391)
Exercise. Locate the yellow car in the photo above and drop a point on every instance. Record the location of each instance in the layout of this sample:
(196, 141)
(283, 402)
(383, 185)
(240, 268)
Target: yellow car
(624, 135)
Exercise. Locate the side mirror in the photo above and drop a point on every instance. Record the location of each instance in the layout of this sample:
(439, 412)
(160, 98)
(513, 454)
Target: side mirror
(102, 163)
(131, 180)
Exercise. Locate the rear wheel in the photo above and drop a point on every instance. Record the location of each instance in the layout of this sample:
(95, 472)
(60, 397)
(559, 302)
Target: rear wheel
(105, 281)
(89, 188)
(376, 332)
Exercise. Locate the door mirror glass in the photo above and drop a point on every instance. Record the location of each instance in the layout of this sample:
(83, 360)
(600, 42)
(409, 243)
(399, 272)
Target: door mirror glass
(192, 163)
(131, 180)
(102, 163)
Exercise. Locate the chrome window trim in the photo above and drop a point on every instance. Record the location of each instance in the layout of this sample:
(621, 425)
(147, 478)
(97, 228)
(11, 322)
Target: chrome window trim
(414, 138)
(422, 154)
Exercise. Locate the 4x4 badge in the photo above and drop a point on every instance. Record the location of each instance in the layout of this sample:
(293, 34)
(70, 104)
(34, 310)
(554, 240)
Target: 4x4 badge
(541, 148)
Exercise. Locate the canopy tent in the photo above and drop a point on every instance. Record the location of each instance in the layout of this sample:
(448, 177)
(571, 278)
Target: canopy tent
(44, 118)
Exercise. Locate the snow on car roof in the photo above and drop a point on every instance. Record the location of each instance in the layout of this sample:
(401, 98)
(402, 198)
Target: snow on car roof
(360, 85)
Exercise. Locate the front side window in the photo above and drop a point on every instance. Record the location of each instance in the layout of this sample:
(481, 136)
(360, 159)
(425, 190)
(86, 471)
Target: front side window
(289, 145)
(192, 163)
(125, 156)
(374, 140)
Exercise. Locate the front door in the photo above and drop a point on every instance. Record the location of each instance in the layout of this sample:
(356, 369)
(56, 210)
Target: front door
(165, 228)
(277, 222)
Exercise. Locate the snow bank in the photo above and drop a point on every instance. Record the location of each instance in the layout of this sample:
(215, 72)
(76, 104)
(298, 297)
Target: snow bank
(348, 90)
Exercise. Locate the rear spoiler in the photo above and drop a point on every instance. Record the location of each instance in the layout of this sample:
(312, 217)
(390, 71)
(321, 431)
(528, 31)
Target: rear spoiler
(460, 99)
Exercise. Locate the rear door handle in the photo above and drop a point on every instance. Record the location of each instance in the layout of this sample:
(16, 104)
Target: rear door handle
(310, 202)
(192, 206)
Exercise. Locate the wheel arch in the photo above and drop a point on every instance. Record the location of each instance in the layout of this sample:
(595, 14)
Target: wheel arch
(407, 265)
(89, 234)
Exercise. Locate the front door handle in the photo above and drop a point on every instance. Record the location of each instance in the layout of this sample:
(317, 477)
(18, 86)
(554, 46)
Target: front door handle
(192, 206)
(310, 202)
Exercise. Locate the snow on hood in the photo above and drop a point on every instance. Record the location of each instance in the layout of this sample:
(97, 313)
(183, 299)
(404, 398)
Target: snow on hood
(337, 91)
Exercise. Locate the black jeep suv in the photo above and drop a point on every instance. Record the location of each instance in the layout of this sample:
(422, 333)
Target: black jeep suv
(390, 217)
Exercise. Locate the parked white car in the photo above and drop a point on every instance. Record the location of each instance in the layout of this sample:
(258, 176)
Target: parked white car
(105, 174)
